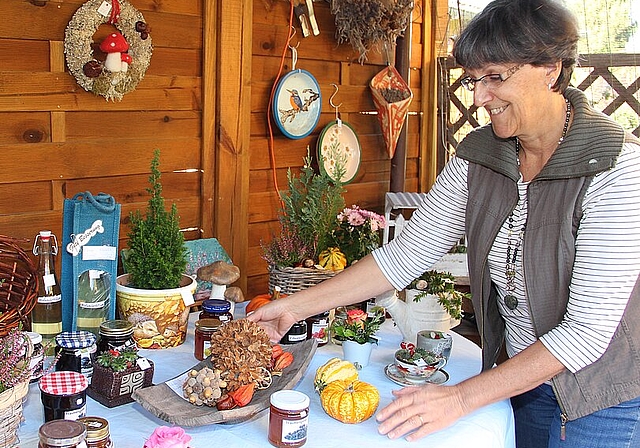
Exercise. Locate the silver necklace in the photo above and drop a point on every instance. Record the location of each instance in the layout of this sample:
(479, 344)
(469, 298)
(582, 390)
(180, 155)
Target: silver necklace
(513, 244)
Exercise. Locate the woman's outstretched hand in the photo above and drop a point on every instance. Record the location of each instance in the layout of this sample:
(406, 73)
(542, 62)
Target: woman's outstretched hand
(275, 318)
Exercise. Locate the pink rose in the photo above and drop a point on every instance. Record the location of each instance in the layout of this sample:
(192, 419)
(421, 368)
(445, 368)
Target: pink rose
(168, 437)
(356, 316)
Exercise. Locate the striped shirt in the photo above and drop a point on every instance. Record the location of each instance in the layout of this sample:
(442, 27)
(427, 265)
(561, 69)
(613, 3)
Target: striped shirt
(606, 267)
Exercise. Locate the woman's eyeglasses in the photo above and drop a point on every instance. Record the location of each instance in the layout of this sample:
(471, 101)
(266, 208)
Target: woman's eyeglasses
(491, 81)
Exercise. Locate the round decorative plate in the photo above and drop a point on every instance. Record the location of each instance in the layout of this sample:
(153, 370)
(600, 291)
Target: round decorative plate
(338, 145)
(440, 377)
(297, 104)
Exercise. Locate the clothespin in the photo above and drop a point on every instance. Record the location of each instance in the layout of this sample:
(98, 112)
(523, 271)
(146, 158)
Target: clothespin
(312, 18)
(300, 10)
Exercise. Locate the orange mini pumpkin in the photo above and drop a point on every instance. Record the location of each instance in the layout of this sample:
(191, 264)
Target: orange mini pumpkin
(350, 401)
(263, 299)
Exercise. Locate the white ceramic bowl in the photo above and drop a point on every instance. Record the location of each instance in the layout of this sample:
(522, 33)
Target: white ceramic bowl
(421, 368)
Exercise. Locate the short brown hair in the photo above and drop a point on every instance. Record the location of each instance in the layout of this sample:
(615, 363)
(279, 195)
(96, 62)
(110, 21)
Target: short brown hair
(535, 32)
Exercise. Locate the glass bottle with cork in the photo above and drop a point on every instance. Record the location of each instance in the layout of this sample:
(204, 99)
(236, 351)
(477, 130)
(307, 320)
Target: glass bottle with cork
(46, 317)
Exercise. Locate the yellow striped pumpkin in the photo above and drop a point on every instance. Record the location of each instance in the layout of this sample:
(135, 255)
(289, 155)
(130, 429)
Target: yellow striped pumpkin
(332, 259)
(332, 370)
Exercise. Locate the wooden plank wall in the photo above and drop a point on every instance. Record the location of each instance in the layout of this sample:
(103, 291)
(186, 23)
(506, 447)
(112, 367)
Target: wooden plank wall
(56, 139)
(329, 63)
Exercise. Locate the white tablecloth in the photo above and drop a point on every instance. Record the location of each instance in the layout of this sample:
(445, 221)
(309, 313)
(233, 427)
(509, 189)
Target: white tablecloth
(490, 427)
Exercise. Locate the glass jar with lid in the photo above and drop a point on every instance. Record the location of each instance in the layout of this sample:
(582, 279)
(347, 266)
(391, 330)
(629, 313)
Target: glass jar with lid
(288, 418)
(78, 349)
(115, 334)
(98, 435)
(297, 333)
(62, 434)
(36, 364)
(318, 328)
(216, 308)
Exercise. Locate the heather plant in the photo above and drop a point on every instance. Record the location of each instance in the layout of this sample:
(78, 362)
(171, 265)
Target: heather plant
(15, 350)
(287, 249)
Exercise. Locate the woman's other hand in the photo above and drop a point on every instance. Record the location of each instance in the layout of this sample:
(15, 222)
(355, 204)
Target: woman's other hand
(420, 411)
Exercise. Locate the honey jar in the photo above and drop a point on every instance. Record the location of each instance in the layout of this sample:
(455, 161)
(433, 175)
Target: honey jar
(97, 432)
(288, 418)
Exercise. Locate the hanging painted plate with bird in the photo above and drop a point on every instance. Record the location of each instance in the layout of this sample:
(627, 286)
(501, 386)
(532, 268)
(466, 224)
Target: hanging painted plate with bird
(297, 104)
(339, 151)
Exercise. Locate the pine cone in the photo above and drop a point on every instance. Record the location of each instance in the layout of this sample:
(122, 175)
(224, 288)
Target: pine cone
(242, 351)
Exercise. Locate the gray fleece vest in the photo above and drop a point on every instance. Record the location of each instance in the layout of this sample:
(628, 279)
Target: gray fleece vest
(555, 202)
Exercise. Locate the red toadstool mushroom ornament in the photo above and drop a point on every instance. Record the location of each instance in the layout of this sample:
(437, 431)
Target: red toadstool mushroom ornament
(128, 48)
(126, 60)
(114, 45)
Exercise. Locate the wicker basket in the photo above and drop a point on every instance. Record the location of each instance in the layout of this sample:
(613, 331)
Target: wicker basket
(18, 284)
(11, 413)
(292, 280)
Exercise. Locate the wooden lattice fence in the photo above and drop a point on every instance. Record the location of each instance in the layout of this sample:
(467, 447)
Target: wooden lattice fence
(610, 81)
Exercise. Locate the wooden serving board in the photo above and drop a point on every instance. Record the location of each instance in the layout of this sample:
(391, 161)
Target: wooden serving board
(165, 404)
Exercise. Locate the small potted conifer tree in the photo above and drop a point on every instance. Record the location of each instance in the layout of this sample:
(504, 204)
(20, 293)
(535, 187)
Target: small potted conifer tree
(154, 294)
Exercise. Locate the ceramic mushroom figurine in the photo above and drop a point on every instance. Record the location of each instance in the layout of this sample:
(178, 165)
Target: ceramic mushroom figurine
(114, 45)
(220, 273)
(126, 59)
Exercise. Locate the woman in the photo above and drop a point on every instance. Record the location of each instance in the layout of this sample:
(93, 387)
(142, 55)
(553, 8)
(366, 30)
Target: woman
(548, 197)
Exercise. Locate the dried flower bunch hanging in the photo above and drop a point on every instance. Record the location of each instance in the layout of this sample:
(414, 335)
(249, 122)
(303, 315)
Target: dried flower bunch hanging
(366, 24)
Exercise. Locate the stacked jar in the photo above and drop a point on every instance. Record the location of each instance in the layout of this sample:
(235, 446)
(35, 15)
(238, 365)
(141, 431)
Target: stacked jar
(115, 335)
(203, 332)
(216, 308)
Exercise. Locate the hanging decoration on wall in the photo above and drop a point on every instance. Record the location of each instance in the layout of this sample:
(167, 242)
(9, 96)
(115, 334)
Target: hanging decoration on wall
(366, 24)
(128, 50)
(297, 102)
(339, 148)
(391, 96)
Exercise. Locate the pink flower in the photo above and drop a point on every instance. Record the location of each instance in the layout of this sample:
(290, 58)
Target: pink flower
(168, 437)
(355, 316)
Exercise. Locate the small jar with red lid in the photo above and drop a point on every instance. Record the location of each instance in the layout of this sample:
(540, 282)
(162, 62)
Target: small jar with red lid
(64, 395)
(216, 308)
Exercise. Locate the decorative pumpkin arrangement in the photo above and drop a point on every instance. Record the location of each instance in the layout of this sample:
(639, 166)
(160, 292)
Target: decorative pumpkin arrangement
(342, 395)
(350, 401)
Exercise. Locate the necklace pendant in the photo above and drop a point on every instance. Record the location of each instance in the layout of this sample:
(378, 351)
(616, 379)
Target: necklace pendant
(511, 301)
